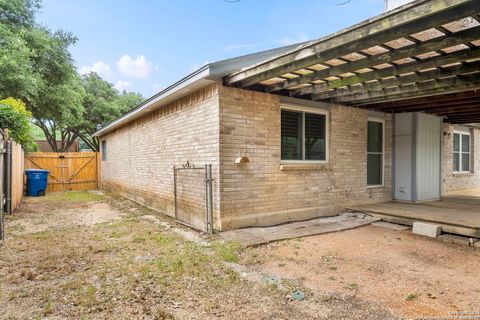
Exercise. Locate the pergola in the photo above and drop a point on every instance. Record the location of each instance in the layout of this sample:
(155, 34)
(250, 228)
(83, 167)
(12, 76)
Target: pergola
(424, 56)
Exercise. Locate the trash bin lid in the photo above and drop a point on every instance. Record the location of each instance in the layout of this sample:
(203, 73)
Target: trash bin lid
(36, 170)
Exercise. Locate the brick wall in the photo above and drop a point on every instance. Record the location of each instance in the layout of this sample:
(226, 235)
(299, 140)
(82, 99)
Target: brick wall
(264, 191)
(141, 154)
(459, 181)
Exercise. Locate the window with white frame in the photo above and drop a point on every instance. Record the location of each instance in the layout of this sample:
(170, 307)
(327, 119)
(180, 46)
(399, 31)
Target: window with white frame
(303, 135)
(375, 137)
(461, 152)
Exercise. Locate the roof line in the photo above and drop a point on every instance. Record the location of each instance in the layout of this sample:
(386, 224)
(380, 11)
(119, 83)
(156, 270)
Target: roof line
(153, 99)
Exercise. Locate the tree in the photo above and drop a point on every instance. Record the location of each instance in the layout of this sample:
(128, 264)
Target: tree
(15, 117)
(101, 105)
(37, 68)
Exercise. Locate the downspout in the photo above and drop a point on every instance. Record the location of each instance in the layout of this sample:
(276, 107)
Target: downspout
(8, 192)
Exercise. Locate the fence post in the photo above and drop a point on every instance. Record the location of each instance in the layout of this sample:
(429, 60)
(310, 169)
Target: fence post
(210, 201)
(207, 223)
(2, 187)
(8, 193)
(175, 191)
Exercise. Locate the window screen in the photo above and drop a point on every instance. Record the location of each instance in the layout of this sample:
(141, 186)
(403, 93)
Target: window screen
(303, 136)
(104, 150)
(315, 137)
(291, 135)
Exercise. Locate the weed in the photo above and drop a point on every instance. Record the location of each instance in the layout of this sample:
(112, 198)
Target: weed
(333, 268)
(227, 251)
(47, 307)
(326, 298)
(138, 239)
(411, 297)
(351, 286)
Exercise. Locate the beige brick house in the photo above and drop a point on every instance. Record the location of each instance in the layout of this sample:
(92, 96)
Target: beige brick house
(315, 145)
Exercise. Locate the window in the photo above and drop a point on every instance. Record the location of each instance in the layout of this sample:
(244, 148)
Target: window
(375, 153)
(104, 150)
(461, 152)
(303, 135)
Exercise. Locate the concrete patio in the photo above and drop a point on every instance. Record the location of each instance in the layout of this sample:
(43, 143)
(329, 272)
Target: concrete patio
(457, 213)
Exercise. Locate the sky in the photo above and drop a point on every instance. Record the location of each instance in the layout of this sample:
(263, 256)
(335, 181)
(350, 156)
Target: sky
(146, 45)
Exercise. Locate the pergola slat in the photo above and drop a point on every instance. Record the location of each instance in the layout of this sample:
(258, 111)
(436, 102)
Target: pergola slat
(453, 107)
(387, 27)
(397, 54)
(392, 71)
(442, 86)
(400, 81)
(448, 99)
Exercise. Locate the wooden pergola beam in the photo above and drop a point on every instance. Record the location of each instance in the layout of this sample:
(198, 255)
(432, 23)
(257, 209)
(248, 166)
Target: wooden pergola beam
(384, 28)
(466, 119)
(446, 41)
(462, 121)
(442, 86)
(459, 112)
(431, 108)
(442, 99)
(400, 81)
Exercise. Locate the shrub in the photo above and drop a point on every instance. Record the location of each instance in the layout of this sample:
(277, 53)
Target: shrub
(16, 118)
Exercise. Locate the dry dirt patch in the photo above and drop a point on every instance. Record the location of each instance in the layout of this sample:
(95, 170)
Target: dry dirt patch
(409, 274)
(63, 210)
(130, 267)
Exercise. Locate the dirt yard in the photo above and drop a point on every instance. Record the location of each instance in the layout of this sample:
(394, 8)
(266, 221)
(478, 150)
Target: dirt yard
(410, 275)
(82, 255)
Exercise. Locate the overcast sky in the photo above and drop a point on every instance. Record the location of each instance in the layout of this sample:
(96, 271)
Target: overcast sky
(147, 45)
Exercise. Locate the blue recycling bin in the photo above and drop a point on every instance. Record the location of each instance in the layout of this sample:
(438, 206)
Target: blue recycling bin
(36, 182)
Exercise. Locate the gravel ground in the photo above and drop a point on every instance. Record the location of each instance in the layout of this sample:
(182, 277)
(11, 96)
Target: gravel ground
(63, 261)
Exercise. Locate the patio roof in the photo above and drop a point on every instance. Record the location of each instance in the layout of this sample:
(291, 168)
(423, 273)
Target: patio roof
(424, 56)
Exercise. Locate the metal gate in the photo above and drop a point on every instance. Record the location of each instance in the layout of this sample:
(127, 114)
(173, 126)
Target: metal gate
(193, 196)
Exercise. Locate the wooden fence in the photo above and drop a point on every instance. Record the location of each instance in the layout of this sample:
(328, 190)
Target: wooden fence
(68, 170)
(17, 175)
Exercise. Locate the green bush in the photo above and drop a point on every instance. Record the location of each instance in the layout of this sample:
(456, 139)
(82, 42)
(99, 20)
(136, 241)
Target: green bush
(15, 117)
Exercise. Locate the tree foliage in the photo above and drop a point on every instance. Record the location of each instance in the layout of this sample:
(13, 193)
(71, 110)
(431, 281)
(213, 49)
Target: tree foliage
(37, 68)
(15, 117)
(102, 104)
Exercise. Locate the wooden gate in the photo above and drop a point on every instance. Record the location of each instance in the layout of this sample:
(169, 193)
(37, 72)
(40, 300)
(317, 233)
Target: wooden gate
(67, 171)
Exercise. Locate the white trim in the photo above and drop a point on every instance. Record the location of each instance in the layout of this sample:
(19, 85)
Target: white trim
(460, 150)
(382, 121)
(305, 109)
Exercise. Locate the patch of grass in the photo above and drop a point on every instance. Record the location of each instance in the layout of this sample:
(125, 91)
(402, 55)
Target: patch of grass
(41, 235)
(332, 268)
(163, 240)
(351, 286)
(138, 239)
(73, 196)
(87, 295)
(119, 234)
(47, 307)
(16, 228)
(326, 298)
(228, 251)
(411, 297)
